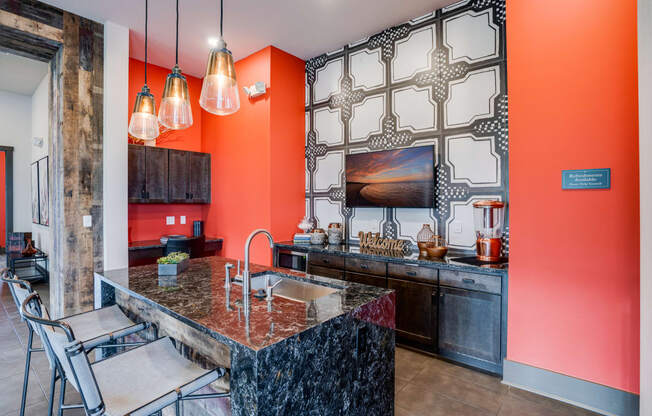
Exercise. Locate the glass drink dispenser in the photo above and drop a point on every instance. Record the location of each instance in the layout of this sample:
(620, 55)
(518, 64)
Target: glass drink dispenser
(489, 219)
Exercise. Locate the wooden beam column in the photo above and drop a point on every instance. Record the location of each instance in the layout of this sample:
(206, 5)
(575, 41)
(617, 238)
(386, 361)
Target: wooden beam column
(76, 154)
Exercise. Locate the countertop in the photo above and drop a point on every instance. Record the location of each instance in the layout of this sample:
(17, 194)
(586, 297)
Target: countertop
(197, 297)
(410, 258)
(148, 244)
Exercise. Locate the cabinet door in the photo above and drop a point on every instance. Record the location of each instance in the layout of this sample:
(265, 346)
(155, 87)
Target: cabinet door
(178, 187)
(156, 161)
(199, 184)
(366, 279)
(136, 190)
(469, 324)
(325, 272)
(416, 312)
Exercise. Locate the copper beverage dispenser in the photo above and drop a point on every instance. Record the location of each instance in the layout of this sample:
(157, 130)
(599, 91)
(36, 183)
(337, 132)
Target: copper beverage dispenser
(489, 217)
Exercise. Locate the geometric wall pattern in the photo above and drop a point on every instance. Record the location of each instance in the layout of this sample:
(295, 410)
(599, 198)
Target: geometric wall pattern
(437, 80)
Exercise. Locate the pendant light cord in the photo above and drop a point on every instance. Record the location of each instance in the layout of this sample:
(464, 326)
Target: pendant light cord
(221, 18)
(176, 56)
(146, 12)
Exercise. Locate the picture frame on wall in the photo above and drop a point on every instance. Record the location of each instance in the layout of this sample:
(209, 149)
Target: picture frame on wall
(44, 189)
(36, 217)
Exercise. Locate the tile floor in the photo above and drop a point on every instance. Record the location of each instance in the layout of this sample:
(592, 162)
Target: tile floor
(425, 386)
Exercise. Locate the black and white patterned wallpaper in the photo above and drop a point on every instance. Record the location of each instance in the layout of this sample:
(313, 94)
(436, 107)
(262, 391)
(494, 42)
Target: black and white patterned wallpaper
(439, 80)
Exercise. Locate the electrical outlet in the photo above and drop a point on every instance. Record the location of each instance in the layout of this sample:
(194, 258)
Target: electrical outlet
(182, 219)
(457, 227)
(88, 221)
(169, 220)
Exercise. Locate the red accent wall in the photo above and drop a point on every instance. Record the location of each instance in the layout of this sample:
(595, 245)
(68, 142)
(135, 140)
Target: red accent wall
(147, 221)
(258, 156)
(3, 196)
(574, 255)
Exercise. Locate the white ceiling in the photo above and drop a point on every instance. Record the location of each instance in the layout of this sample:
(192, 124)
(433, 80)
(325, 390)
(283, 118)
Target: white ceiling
(304, 28)
(20, 75)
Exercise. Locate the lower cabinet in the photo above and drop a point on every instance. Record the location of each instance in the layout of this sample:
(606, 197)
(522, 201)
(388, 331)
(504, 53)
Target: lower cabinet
(416, 312)
(325, 271)
(470, 327)
(366, 279)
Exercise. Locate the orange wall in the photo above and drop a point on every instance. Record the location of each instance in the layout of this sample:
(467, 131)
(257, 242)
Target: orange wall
(288, 175)
(574, 255)
(147, 221)
(3, 225)
(257, 163)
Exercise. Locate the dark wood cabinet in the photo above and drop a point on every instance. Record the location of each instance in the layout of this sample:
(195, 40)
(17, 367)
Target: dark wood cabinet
(179, 176)
(325, 271)
(148, 179)
(199, 179)
(366, 279)
(457, 314)
(416, 311)
(190, 177)
(470, 327)
(158, 175)
(136, 188)
(156, 162)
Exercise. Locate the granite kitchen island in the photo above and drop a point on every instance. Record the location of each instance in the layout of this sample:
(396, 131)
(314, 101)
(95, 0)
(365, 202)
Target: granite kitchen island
(330, 355)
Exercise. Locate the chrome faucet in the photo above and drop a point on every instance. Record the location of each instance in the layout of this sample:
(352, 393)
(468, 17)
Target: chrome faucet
(246, 279)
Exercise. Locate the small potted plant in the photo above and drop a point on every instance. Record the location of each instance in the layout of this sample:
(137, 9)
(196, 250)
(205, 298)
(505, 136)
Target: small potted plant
(173, 263)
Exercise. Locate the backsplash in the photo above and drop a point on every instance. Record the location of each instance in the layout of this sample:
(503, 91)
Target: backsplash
(439, 80)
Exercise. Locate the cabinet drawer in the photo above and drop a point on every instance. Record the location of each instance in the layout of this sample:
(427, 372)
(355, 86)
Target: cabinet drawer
(366, 266)
(471, 281)
(366, 279)
(326, 260)
(412, 272)
(326, 272)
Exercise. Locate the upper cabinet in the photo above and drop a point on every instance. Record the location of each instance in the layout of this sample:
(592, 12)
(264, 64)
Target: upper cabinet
(190, 177)
(158, 175)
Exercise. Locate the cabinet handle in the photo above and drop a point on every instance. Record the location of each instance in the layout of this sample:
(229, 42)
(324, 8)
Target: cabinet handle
(467, 280)
(411, 273)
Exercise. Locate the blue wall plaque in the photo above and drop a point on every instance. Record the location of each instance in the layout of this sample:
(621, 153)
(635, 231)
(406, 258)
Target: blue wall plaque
(586, 179)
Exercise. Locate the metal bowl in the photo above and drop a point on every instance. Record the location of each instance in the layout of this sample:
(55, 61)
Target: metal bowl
(437, 252)
(165, 238)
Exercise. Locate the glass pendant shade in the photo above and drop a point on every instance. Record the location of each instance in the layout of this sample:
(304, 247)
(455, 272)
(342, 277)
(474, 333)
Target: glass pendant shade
(175, 112)
(144, 124)
(219, 91)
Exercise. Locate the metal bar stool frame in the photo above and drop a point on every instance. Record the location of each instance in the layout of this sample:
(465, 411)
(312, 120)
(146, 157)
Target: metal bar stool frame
(56, 372)
(75, 348)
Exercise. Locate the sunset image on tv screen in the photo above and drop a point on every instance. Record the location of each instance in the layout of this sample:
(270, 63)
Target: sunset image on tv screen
(392, 178)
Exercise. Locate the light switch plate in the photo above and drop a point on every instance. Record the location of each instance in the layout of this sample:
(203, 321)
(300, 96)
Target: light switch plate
(457, 227)
(182, 219)
(88, 221)
(169, 220)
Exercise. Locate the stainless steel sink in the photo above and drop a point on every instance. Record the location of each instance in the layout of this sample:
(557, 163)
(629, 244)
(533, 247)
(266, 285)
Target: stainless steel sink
(290, 288)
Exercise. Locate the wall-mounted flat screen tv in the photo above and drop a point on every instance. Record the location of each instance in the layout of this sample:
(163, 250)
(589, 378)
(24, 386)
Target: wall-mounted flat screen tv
(402, 178)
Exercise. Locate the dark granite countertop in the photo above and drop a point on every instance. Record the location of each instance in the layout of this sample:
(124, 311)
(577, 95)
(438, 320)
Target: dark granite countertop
(148, 244)
(411, 258)
(198, 298)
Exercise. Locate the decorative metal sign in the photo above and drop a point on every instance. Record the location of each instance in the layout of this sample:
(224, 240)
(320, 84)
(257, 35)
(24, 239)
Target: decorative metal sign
(586, 179)
(375, 241)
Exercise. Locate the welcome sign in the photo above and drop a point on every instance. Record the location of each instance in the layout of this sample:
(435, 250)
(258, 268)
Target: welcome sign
(586, 179)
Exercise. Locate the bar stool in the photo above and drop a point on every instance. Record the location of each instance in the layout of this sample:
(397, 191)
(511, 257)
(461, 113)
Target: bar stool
(99, 328)
(138, 382)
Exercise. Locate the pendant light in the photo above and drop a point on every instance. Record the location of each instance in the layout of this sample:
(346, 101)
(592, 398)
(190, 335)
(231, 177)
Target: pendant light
(143, 124)
(175, 112)
(219, 91)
